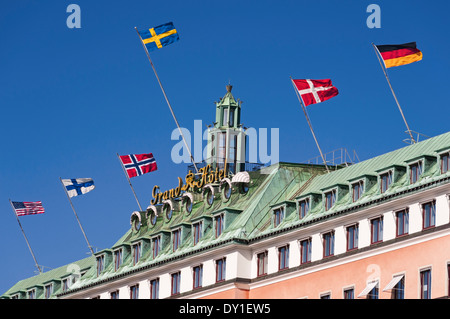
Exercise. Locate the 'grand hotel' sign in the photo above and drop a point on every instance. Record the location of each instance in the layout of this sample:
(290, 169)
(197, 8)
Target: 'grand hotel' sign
(207, 176)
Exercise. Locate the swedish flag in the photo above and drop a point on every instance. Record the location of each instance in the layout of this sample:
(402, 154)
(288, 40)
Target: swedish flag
(158, 37)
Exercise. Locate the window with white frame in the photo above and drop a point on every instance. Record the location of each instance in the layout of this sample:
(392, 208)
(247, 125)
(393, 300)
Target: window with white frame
(445, 162)
(154, 288)
(357, 190)
(197, 276)
(197, 232)
(100, 264)
(328, 244)
(330, 199)
(220, 269)
(262, 262)
(176, 239)
(303, 207)
(352, 236)
(283, 257)
(376, 228)
(218, 221)
(175, 283)
(48, 291)
(415, 171)
(136, 252)
(278, 216)
(156, 246)
(305, 250)
(134, 291)
(402, 222)
(429, 214)
(117, 258)
(385, 181)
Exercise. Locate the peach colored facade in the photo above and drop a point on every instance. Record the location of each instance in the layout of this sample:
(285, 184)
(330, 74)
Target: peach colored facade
(433, 254)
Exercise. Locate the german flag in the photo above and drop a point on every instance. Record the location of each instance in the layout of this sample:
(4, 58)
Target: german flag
(399, 54)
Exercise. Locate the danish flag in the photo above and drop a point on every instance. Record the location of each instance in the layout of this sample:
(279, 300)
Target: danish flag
(315, 91)
(138, 164)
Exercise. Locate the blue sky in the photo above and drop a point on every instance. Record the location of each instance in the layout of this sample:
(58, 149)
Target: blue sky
(73, 98)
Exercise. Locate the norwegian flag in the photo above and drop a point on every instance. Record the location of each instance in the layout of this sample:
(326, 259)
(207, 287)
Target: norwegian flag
(315, 91)
(138, 164)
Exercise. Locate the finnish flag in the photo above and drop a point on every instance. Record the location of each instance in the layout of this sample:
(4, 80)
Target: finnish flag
(78, 186)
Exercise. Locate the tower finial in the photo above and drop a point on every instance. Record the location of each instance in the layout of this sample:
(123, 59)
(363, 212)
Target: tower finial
(229, 87)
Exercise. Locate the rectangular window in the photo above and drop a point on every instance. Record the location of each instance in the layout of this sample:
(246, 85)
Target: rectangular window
(283, 257)
(117, 258)
(154, 288)
(136, 253)
(32, 294)
(445, 162)
(325, 296)
(197, 232)
(134, 292)
(402, 222)
(65, 284)
(425, 284)
(376, 228)
(175, 282)
(218, 221)
(156, 246)
(100, 264)
(429, 214)
(303, 208)
(198, 276)
(305, 251)
(278, 216)
(352, 237)
(262, 263)
(398, 292)
(357, 190)
(415, 171)
(385, 181)
(330, 199)
(176, 239)
(114, 294)
(349, 293)
(373, 294)
(48, 291)
(328, 244)
(220, 269)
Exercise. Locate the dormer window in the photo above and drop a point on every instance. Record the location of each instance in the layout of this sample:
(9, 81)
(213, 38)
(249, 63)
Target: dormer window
(445, 162)
(385, 181)
(156, 246)
(48, 291)
(357, 190)
(117, 259)
(218, 221)
(330, 199)
(415, 171)
(136, 253)
(176, 239)
(32, 294)
(278, 216)
(197, 232)
(303, 207)
(100, 264)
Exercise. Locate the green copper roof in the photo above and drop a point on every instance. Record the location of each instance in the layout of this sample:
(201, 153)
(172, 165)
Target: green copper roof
(248, 216)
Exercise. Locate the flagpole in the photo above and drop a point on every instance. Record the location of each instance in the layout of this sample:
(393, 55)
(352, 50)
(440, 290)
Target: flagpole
(129, 182)
(393, 93)
(167, 100)
(79, 223)
(26, 239)
(309, 123)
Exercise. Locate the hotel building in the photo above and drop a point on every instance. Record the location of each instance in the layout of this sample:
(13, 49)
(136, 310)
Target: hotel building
(377, 229)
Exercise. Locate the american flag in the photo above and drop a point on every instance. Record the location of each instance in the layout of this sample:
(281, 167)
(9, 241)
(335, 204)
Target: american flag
(28, 208)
